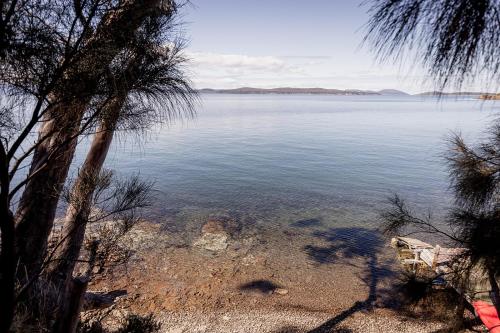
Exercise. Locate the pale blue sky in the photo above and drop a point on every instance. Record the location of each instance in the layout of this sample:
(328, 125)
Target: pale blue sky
(271, 43)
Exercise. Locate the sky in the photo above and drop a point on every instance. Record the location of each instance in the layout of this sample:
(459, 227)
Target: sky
(289, 43)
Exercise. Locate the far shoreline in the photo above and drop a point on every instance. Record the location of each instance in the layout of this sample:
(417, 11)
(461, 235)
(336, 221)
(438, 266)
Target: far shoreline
(339, 92)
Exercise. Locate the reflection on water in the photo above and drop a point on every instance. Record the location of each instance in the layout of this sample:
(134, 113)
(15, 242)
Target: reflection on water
(300, 159)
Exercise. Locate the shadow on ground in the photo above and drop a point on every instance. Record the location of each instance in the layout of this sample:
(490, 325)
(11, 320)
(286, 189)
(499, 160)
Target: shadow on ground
(262, 286)
(362, 248)
(355, 246)
(294, 329)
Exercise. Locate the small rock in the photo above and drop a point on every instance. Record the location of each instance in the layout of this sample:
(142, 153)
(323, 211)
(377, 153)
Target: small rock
(248, 260)
(280, 291)
(253, 260)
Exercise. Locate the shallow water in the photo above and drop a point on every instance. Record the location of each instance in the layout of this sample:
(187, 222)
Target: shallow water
(284, 159)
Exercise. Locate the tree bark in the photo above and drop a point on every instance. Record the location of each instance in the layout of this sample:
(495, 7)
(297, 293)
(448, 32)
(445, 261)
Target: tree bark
(8, 261)
(495, 290)
(8, 256)
(78, 211)
(459, 322)
(60, 272)
(72, 306)
(37, 207)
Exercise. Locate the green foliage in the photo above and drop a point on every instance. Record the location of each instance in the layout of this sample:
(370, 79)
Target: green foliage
(455, 39)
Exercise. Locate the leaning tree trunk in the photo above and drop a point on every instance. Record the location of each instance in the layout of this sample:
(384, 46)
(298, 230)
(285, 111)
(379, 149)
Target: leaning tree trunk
(38, 203)
(78, 211)
(79, 207)
(60, 272)
(37, 207)
(72, 306)
(73, 232)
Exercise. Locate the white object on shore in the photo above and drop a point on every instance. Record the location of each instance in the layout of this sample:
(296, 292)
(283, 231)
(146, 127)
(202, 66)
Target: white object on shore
(438, 259)
(424, 253)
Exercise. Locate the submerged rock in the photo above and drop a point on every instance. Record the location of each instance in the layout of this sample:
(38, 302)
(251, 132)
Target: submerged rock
(222, 224)
(216, 233)
(214, 226)
(214, 242)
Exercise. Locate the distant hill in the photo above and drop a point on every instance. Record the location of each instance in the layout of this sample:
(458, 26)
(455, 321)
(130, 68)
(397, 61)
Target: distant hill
(392, 92)
(324, 91)
(288, 90)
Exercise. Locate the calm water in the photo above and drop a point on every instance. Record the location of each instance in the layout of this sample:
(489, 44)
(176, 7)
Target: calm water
(285, 158)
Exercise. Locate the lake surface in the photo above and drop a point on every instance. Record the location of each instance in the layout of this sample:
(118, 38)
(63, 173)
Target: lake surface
(285, 158)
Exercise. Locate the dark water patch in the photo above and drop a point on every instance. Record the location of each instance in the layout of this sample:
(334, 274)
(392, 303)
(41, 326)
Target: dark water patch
(345, 243)
(307, 223)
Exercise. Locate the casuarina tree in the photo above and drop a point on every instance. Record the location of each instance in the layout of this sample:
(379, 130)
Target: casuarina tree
(457, 41)
(68, 70)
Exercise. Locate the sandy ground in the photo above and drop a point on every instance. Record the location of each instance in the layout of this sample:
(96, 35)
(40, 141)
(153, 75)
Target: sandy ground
(227, 278)
(291, 322)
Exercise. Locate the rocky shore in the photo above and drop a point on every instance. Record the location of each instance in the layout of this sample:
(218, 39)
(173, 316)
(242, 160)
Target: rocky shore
(226, 276)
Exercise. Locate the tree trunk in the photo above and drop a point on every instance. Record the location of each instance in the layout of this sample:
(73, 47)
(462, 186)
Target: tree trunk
(78, 211)
(8, 256)
(8, 261)
(495, 290)
(37, 207)
(72, 306)
(60, 272)
(79, 208)
(458, 324)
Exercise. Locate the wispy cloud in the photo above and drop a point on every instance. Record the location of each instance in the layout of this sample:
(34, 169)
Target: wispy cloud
(216, 70)
(234, 70)
(308, 57)
(269, 63)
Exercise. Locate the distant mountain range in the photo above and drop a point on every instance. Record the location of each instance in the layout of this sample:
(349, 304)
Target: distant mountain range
(324, 91)
(392, 92)
(287, 90)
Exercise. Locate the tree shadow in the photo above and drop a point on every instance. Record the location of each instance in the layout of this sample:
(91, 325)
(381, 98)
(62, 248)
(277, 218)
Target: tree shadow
(354, 246)
(307, 223)
(330, 325)
(288, 329)
(262, 286)
(295, 329)
(99, 300)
